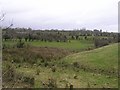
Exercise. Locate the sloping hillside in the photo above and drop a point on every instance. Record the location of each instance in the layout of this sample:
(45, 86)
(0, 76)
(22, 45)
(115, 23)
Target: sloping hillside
(104, 58)
(89, 69)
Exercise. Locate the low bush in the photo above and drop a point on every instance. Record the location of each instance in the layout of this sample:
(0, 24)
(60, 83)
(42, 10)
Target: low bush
(20, 44)
(76, 64)
(53, 69)
(8, 73)
(28, 80)
(101, 42)
(37, 71)
(52, 83)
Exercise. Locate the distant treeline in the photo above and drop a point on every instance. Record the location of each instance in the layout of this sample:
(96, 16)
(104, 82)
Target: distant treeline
(60, 35)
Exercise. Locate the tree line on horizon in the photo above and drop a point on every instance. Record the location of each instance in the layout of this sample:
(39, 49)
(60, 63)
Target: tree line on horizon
(100, 38)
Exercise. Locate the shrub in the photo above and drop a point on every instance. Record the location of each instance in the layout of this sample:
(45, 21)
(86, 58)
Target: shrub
(8, 73)
(75, 76)
(71, 87)
(53, 69)
(22, 78)
(52, 83)
(4, 46)
(27, 79)
(101, 42)
(76, 64)
(37, 71)
(20, 44)
(46, 64)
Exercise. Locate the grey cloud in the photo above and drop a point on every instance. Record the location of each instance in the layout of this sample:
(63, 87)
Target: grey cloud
(61, 14)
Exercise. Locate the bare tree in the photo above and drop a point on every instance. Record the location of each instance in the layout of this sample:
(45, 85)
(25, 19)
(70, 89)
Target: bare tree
(2, 16)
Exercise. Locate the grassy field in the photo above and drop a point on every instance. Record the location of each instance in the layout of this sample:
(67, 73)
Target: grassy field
(103, 58)
(77, 45)
(88, 69)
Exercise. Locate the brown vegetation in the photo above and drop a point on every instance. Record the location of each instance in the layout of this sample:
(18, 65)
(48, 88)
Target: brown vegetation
(32, 54)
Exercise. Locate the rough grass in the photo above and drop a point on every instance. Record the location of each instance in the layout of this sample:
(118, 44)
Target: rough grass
(64, 77)
(104, 58)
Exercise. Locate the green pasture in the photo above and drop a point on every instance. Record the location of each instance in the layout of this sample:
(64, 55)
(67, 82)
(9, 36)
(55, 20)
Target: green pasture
(103, 58)
(98, 68)
(77, 45)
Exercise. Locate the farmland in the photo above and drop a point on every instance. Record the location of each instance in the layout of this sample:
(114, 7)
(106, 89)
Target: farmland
(59, 44)
(75, 45)
(70, 61)
(66, 73)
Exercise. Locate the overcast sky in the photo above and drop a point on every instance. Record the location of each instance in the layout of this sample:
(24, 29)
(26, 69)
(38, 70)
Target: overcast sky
(61, 14)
